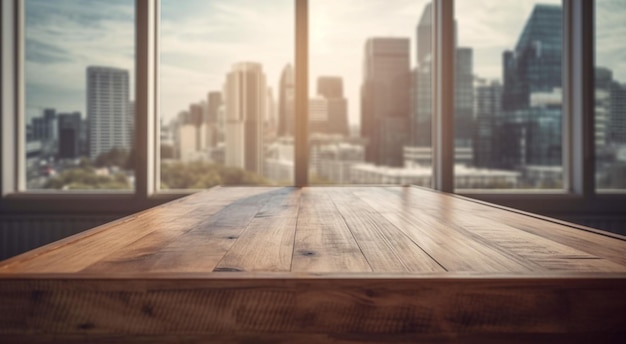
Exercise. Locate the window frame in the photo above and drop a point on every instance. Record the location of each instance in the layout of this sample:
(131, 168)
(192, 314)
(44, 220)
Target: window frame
(579, 194)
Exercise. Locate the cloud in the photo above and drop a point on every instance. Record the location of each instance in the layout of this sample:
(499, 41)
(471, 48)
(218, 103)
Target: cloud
(42, 52)
(63, 38)
(201, 40)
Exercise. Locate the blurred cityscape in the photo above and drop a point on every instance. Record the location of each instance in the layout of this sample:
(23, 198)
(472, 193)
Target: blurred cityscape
(507, 132)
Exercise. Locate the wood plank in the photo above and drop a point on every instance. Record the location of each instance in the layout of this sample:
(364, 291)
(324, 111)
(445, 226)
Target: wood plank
(315, 338)
(323, 241)
(435, 231)
(609, 246)
(602, 246)
(385, 247)
(360, 307)
(549, 254)
(266, 244)
(194, 241)
(478, 220)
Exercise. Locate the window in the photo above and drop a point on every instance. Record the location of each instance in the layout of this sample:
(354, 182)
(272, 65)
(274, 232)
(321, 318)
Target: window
(508, 95)
(610, 95)
(226, 78)
(187, 80)
(370, 92)
(79, 109)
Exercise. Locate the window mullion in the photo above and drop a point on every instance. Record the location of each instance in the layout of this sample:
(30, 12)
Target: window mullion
(12, 97)
(301, 150)
(443, 95)
(579, 97)
(145, 95)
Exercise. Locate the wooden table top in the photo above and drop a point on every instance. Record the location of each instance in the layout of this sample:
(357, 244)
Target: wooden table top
(320, 265)
(389, 230)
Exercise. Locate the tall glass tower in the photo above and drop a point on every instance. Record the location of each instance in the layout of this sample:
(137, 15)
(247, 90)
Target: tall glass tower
(110, 123)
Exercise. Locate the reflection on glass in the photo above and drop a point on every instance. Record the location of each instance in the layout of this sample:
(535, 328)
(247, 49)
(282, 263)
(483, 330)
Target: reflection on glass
(610, 95)
(227, 93)
(508, 97)
(79, 112)
(369, 107)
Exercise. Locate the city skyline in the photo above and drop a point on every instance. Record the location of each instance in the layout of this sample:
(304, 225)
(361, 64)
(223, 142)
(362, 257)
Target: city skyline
(50, 60)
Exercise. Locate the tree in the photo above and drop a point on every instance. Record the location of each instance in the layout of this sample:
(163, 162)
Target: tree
(200, 175)
(87, 178)
(115, 157)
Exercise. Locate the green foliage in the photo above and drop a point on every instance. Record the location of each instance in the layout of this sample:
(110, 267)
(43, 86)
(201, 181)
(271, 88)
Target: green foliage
(115, 157)
(167, 151)
(200, 175)
(87, 179)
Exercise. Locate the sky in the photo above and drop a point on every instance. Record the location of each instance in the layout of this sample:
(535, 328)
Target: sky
(200, 40)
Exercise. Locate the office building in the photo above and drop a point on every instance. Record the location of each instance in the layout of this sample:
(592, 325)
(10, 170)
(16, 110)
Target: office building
(69, 131)
(286, 103)
(215, 131)
(488, 100)
(245, 96)
(536, 63)
(385, 99)
(107, 109)
(421, 117)
(331, 89)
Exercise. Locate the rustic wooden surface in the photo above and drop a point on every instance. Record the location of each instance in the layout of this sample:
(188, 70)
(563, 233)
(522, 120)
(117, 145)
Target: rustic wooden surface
(320, 264)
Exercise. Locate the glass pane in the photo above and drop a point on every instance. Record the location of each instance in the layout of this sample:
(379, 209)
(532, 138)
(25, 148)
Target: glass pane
(79, 115)
(610, 94)
(222, 64)
(508, 97)
(369, 107)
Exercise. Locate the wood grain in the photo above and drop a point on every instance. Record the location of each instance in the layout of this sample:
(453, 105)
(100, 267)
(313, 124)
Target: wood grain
(323, 241)
(384, 245)
(351, 307)
(320, 264)
(267, 242)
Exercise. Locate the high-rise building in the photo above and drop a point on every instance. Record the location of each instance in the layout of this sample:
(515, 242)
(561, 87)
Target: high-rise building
(535, 64)
(318, 115)
(331, 88)
(421, 121)
(245, 95)
(421, 117)
(50, 119)
(44, 128)
(488, 107)
(602, 111)
(107, 109)
(286, 102)
(385, 99)
(529, 130)
(215, 129)
(617, 117)
(214, 100)
(463, 97)
(69, 129)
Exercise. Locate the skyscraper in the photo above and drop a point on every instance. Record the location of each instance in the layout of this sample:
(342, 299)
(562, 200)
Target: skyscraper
(286, 103)
(215, 129)
(107, 109)
(488, 109)
(69, 127)
(245, 93)
(535, 64)
(529, 129)
(421, 121)
(385, 99)
(331, 88)
(214, 100)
